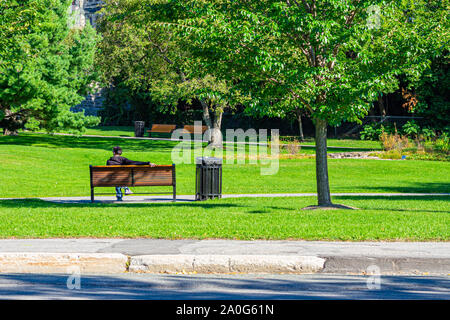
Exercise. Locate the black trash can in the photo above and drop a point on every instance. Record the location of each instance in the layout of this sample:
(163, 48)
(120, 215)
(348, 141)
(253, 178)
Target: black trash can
(139, 128)
(208, 182)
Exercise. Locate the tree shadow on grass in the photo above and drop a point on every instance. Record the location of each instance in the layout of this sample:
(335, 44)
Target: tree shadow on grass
(188, 205)
(425, 187)
(56, 141)
(266, 209)
(106, 143)
(37, 203)
(388, 199)
(129, 129)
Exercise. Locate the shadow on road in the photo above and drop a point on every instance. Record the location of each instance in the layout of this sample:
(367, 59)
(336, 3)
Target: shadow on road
(174, 287)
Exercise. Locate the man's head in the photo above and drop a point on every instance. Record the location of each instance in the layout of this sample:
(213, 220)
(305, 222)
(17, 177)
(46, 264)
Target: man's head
(117, 150)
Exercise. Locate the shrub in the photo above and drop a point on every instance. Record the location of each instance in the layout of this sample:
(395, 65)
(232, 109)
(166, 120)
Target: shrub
(428, 146)
(369, 132)
(294, 147)
(442, 144)
(411, 129)
(394, 141)
(422, 148)
(391, 154)
(373, 131)
(428, 133)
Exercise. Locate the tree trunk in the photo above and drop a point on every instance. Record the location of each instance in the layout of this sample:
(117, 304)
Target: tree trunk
(323, 186)
(206, 115)
(372, 113)
(216, 134)
(7, 132)
(300, 125)
(11, 123)
(214, 124)
(381, 106)
(207, 119)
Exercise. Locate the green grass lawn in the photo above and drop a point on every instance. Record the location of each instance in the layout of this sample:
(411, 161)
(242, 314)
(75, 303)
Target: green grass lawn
(34, 165)
(123, 131)
(345, 143)
(110, 131)
(380, 218)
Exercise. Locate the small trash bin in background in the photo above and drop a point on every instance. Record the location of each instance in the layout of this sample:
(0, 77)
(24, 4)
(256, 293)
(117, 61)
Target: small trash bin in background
(139, 128)
(208, 182)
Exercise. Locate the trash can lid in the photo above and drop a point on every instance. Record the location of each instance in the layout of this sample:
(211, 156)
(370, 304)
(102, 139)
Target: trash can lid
(208, 160)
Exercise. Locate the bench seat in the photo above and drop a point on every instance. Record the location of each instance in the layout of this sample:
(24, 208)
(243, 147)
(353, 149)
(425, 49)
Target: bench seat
(133, 176)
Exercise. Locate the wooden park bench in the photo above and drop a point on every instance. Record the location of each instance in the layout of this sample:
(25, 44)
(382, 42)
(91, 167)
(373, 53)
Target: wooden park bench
(191, 128)
(161, 128)
(133, 176)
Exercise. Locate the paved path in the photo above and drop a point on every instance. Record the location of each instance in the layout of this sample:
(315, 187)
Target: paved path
(339, 257)
(215, 247)
(199, 287)
(191, 198)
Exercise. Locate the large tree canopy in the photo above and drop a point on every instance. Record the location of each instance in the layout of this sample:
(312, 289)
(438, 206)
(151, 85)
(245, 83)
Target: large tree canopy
(136, 50)
(433, 96)
(330, 57)
(45, 67)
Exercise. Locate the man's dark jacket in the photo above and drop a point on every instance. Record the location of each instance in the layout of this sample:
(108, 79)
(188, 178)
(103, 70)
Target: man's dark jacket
(122, 161)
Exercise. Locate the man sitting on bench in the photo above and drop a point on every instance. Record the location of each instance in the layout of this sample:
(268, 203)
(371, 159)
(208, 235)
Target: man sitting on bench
(118, 160)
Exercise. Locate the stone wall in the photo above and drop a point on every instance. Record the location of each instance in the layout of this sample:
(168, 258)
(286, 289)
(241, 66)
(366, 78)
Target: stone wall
(90, 10)
(82, 12)
(91, 104)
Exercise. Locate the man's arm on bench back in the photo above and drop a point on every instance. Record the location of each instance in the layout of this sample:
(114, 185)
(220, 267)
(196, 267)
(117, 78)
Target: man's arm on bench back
(122, 161)
(129, 162)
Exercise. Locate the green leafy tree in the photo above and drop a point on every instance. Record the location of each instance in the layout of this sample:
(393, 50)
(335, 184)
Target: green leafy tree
(136, 51)
(331, 58)
(45, 67)
(433, 96)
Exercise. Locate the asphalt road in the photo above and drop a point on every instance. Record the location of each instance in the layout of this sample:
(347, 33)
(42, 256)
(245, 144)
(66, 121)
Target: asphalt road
(230, 287)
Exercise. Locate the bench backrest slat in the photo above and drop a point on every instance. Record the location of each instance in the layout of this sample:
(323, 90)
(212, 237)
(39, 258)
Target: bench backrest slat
(153, 177)
(163, 127)
(117, 176)
(111, 178)
(191, 128)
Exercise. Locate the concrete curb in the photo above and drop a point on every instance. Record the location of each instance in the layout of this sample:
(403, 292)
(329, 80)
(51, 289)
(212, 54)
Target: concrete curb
(24, 262)
(226, 264)
(110, 263)
(343, 265)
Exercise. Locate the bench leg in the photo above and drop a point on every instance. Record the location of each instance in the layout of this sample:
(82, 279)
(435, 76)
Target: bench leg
(92, 195)
(174, 183)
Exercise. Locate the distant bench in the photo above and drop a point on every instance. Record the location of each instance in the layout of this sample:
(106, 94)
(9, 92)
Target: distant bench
(133, 176)
(169, 128)
(161, 128)
(190, 129)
